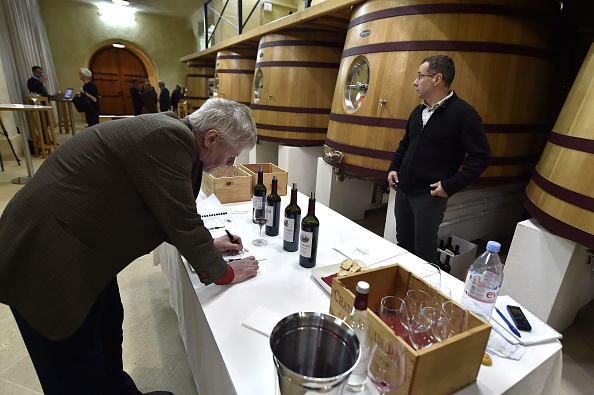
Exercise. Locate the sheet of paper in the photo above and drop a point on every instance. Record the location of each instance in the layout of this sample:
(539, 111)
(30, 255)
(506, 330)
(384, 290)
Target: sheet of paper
(213, 214)
(502, 348)
(262, 320)
(370, 250)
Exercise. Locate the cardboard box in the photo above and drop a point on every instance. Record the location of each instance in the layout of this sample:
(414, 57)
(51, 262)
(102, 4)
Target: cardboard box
(270, 170)
(229, 184)
(442, 368)
(461, 262)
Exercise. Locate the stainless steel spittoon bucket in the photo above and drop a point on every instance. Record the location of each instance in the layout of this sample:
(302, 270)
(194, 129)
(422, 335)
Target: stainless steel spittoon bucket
(313, 353)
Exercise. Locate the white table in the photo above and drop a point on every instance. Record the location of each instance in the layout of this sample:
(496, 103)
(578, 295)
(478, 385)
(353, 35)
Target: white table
(21, 109)
(227, 358)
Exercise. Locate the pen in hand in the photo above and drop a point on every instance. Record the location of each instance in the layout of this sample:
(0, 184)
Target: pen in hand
(509, 324)
(231, 238)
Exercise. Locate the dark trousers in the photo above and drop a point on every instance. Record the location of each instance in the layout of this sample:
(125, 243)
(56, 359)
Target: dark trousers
(137, 108)
(90, 361)
(92, 115)
(417, 223)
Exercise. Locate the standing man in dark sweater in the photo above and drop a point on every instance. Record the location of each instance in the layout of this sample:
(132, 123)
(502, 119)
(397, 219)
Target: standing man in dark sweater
(164, 99)
(136, 96)
(425, 170)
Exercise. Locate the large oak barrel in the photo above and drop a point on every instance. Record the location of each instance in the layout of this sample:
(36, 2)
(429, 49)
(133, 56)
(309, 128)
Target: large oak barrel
(293, 85)
(198, 73)
(560, 193)
(234, 74)
(502, 50)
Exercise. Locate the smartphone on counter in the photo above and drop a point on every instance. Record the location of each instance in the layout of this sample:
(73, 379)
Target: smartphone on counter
(519, 318)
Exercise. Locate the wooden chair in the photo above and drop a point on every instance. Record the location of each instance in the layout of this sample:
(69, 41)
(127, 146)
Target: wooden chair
(182, 109)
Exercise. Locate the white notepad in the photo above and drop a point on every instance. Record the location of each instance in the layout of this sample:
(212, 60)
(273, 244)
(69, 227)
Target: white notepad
(541, 331)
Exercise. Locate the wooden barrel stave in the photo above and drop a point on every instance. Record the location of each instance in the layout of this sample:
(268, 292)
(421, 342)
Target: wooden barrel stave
(482, 78)
(299, 69)
(235, 73)
(198, 73)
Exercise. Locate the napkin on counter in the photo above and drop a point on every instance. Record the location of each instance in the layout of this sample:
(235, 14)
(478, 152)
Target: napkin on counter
(262, 320)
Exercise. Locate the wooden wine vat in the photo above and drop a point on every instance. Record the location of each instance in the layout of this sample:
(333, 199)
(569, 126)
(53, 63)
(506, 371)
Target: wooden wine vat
(234, 74)
(294, 82)
(560, 193)
(198, 73)
(503, 55)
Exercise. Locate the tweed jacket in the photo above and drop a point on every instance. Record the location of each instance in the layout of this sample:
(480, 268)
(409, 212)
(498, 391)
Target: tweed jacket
(107, 196)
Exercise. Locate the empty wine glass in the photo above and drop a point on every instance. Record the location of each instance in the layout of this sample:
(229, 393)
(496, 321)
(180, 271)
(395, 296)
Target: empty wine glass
(457, 318)
(393, 312)
(387, 365)
(430, 272)
(260, 218)
(420, 330)
(34, 100)
(438, 321)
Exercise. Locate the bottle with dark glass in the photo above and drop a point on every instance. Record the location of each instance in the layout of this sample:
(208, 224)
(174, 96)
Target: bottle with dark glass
(259, 196)
(273, 208)
(445, 266)
(292, 223)
(308, 241)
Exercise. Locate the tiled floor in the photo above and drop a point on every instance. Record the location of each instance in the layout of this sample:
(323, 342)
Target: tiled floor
(153, 350)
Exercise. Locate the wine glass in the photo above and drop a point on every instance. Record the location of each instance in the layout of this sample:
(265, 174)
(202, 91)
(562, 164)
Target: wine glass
(431, 272)
(457, 318)
(387, 365)
(260, 217)
(393, 312)
(438, 322)
(34, 100)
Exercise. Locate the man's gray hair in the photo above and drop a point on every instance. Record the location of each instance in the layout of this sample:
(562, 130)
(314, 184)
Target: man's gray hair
(86, 72)
(233, 120)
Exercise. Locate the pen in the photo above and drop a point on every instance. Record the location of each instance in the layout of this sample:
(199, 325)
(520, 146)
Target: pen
(231, 238)
(509, 324)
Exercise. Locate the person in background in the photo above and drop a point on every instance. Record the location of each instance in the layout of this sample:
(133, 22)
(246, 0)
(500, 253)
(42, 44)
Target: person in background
(36, 84)
(164, 99)
(149, 98)
(136, 97)
(176, 96)
(442, 134)
(110, 194)
(89, 89)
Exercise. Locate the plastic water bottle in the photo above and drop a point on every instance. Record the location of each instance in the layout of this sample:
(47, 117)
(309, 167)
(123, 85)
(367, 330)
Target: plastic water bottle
(483, 282)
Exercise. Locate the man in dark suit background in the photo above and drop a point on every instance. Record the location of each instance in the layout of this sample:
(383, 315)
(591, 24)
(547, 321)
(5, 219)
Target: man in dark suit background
(107, 196)
(164, 99)
(35, 84)
(136, 96)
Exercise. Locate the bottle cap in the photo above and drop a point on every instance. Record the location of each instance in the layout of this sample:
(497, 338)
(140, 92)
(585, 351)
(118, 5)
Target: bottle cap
(363, 287)
(493, 246)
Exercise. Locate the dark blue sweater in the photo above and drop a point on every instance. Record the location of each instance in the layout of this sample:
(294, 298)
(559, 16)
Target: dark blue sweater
(435, 152)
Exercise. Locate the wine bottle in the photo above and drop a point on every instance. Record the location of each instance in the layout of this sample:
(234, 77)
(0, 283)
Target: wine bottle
(359, 321)
(273, 208)
(308, 241)
(292, 223)
(259, 196)
(445, 266)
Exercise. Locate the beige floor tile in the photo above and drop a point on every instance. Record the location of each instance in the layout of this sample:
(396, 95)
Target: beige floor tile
(8, 388)
(12, 347)
(149, 368)
(180, 381)
(23, 374)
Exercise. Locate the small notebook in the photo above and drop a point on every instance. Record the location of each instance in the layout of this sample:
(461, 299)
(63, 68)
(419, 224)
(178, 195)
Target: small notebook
(541, 331)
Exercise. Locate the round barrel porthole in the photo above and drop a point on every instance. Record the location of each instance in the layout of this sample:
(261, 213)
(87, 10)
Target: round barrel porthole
(357, 84)
(258, 85)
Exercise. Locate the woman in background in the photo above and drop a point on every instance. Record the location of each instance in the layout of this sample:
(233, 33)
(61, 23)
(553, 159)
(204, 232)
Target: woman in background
(149, 97)
(89, 89)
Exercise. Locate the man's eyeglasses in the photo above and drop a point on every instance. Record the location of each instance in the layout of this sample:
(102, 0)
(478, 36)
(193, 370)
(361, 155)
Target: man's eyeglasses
(419, 75)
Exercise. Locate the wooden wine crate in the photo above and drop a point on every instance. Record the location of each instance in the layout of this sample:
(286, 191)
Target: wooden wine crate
(229, 184)
(442, 368)
(270, 170)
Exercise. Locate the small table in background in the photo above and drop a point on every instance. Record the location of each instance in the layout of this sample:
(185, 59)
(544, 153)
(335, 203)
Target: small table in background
(21, 109)
(65, 117)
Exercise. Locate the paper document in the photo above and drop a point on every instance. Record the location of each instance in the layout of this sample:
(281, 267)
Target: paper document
(213, 214)
(540, 333)
(499, 346)
(370, 250)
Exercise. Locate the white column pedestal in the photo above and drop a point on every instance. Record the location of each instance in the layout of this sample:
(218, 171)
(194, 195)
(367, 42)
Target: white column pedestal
(548, 274)
(301, 164)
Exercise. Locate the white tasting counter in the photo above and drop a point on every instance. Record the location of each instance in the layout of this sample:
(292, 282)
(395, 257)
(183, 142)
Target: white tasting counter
(228, 358)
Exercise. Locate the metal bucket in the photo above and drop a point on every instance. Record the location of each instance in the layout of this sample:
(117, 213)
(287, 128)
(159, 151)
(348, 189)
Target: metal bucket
(313, 353)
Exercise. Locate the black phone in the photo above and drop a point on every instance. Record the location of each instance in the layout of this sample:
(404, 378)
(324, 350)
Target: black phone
(519, 318)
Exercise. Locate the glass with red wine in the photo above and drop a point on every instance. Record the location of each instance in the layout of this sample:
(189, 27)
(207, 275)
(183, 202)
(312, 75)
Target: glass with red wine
(260, 218)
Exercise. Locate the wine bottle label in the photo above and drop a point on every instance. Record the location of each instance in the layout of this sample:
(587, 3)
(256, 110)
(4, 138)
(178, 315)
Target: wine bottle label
(258, 202)
(288, 233)
(305, 244)
(270, 215)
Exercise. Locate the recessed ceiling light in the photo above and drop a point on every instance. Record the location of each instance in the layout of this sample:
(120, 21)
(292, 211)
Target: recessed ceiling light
(120, 2)
(118, 45)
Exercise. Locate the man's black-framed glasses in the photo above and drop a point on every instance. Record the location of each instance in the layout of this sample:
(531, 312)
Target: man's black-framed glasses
(419, 75)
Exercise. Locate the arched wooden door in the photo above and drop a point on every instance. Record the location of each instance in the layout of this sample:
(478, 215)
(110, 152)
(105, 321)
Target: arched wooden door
(113, 70)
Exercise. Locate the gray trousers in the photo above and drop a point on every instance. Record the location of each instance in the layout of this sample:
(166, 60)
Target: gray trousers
(417, 223)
